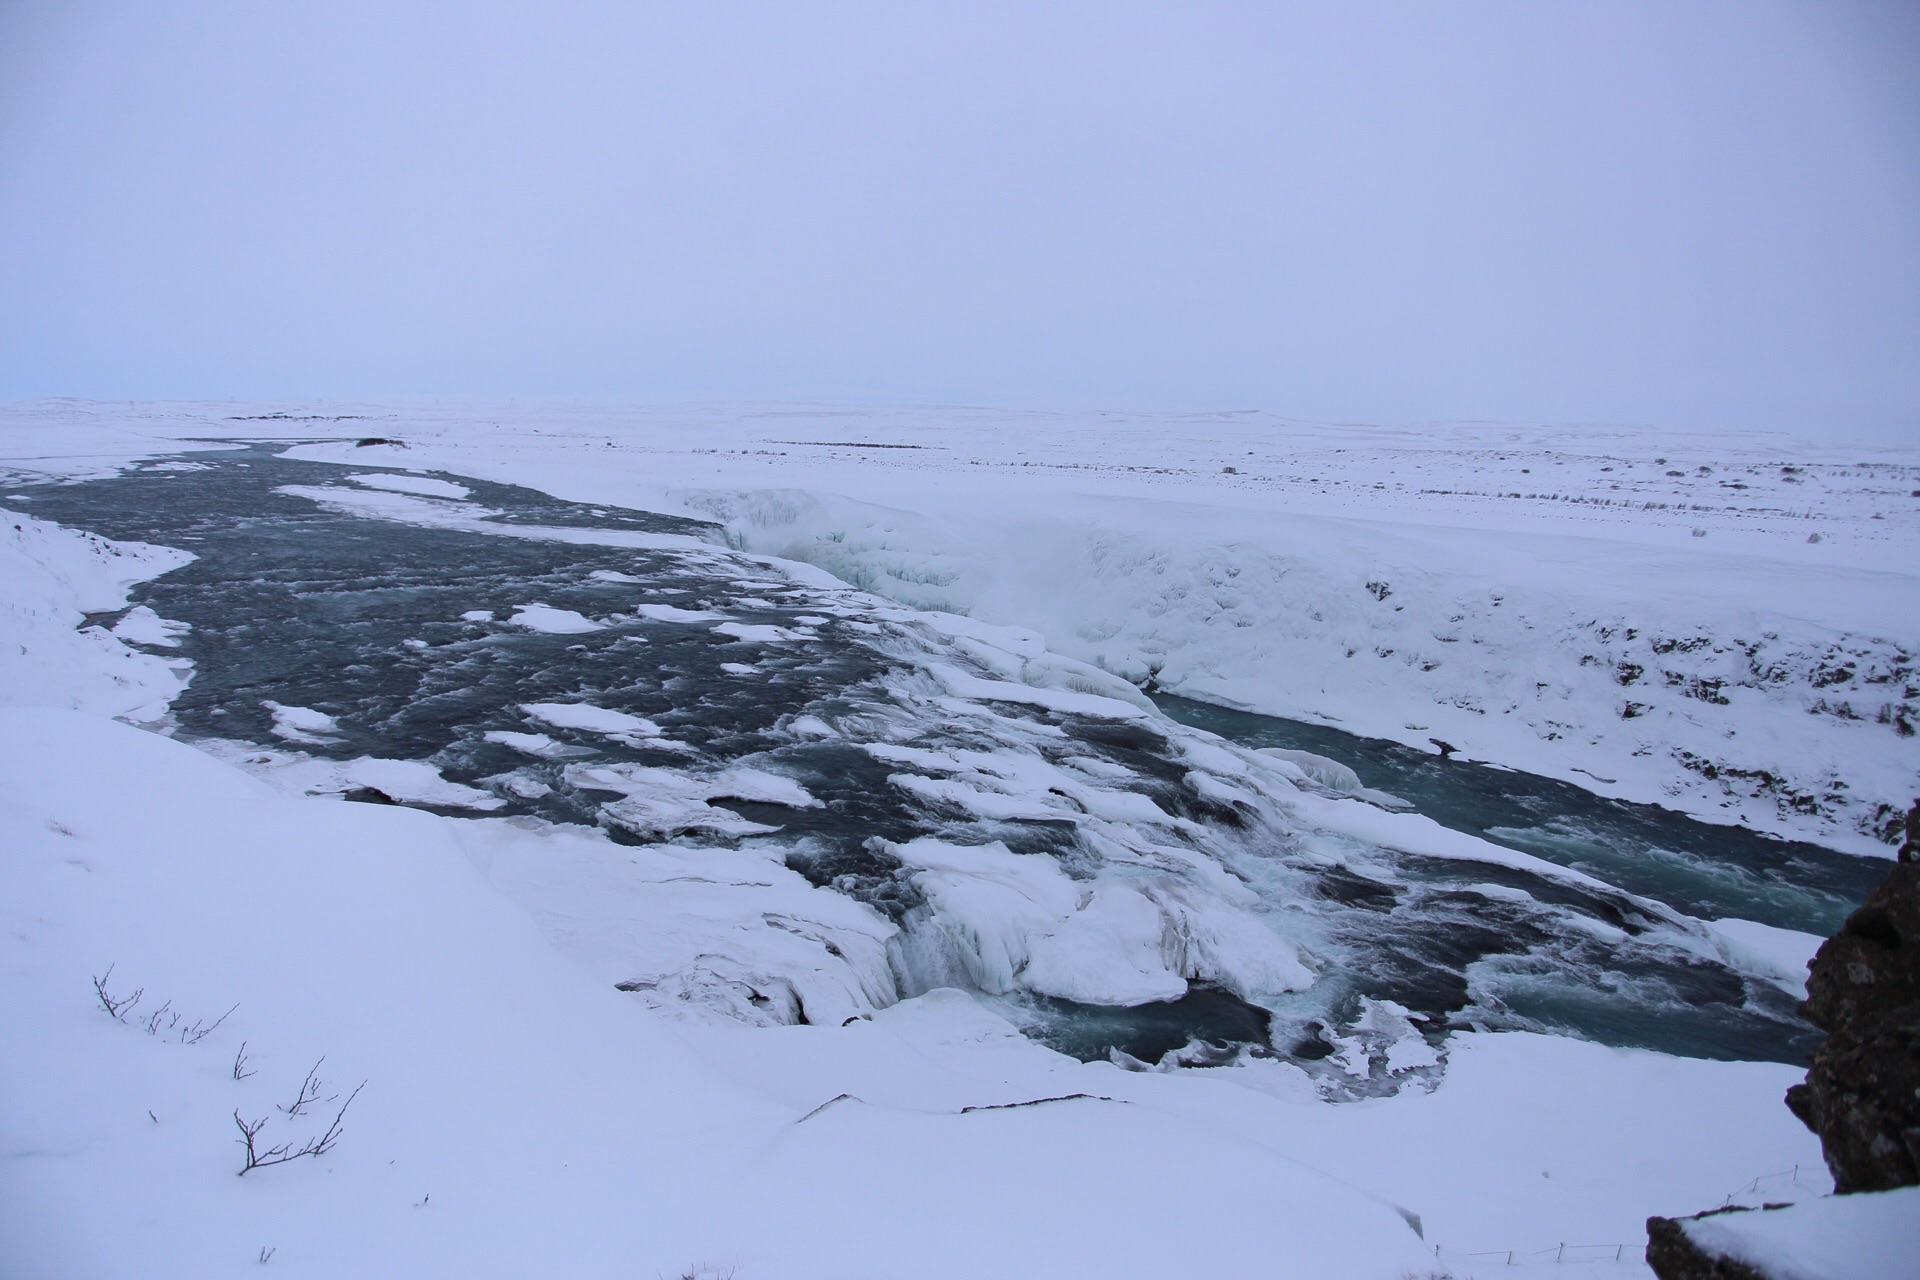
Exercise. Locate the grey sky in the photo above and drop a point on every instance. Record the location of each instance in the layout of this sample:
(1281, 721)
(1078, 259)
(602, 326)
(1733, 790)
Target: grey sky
(1689, 213)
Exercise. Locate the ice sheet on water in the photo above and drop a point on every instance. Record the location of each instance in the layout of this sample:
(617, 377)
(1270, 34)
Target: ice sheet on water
(553, 621)
(1019, 922)
(424, 486)
(964, 685)
(474, 517)
(1330, 774)
(416, 781)
(581, 715)
(1384, 1040)
(534, 744)
(659, 803)
(141, 625)
(1782, 954)
(400, 781)
(302, 724)
(759, 633)
(673, 613)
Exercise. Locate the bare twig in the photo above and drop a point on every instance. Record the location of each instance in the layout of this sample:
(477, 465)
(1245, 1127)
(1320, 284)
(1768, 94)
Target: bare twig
(199, 1031)
(256, 1156)
(838, 1097)
(118, 1008)
(165, 1020)
(309, 1090)
(1035, 1102)
(153, 1019)
(332, 1135)
(259, 1157)
(240, 1071)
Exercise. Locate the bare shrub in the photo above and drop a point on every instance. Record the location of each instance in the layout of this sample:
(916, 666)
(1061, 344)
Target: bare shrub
(309, 1090)
(164, 1021)
(121, 1007)
(260, 1157)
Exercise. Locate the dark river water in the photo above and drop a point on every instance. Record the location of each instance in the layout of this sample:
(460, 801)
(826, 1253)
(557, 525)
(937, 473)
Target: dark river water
(1706, 870)
(400, 633)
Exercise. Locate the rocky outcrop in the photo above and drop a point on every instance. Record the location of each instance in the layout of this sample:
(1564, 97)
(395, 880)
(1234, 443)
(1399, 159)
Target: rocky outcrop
(1862, 1094)
(1674, 1256)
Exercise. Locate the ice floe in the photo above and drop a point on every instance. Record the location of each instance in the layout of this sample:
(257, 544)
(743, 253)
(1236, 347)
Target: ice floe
(302, 724)
(584, 716)
(553, 621)
(425, 486)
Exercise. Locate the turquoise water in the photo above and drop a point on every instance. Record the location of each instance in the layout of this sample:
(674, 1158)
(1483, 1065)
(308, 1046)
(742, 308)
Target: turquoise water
(1706, 870)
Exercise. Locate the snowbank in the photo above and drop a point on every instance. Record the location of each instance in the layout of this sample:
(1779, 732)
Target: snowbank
(52, 655)
(1866, 1236)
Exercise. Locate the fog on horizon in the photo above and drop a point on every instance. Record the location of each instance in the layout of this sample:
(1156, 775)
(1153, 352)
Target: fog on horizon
(1688, 214)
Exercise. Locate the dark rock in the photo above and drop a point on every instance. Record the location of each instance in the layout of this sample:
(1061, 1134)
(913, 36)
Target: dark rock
(368, 795)
(1674, 1256)
(1862, 1094)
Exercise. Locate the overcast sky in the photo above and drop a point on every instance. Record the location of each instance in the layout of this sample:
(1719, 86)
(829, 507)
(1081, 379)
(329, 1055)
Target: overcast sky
(1689, 213)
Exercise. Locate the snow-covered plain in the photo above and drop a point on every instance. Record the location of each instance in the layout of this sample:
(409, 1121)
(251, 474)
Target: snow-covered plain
(521, 1117)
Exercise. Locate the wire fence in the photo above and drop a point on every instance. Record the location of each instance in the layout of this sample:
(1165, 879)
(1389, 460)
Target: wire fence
(1797, 1183)
(1554, 1255)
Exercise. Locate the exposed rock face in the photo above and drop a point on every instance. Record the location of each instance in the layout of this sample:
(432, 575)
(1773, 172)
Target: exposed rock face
(1674, 1256)
(1862, 1095)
